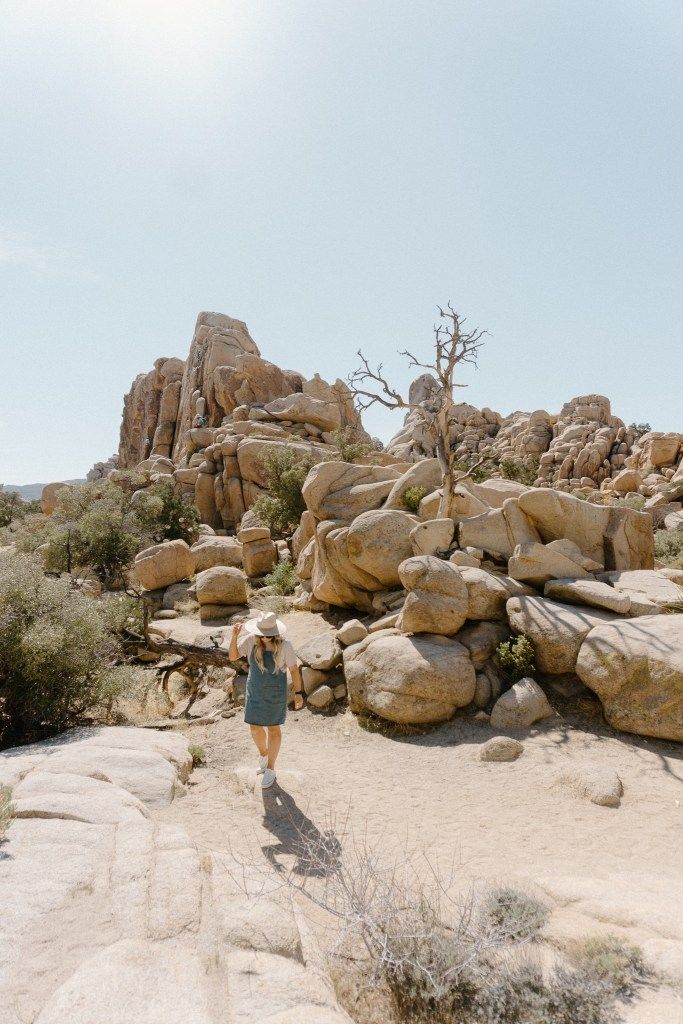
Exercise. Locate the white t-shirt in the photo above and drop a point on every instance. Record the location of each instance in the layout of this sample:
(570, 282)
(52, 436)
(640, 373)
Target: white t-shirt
(245, 646)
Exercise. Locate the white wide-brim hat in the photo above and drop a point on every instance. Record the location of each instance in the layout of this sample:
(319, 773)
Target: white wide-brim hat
(265, 624)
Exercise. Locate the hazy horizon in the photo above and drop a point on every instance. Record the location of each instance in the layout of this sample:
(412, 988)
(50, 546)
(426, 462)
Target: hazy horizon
(329, 172)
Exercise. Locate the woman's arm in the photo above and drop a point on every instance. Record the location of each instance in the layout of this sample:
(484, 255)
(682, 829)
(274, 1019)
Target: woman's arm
(233, 653)
(295, 673)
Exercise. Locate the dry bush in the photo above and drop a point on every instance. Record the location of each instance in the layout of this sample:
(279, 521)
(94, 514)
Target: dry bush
(618, 964)
(6, 809)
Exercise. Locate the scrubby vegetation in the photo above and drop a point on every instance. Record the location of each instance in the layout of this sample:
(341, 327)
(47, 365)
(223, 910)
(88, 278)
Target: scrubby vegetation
(348, 450)
(669, 548)
(617, 964)
(412, 498)
(6, 809)
(414, 956)
(98, 526)
(523, 471)
(57, 653)
(286, 470)
(283, 579)
(13, 508)
(197, 753)
(634, 501)
(516, 658)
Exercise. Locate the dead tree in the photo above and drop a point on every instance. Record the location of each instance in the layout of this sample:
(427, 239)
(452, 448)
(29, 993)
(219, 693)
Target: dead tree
(452, 346)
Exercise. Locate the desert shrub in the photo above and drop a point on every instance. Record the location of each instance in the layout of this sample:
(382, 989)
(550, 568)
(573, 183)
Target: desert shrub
(634, 501)
(618, 964)
(412, 497)
(516, 658)
(197, 753)
(669, 548)
(524, 471)
(14, 509)
(350, 450)
(97, 526)
(163, 515)
(285, 470)
(56, 653)
(481, 473)
(639, 429)
(517, 914)
(6, 809)
(122, 613)
(283, 579)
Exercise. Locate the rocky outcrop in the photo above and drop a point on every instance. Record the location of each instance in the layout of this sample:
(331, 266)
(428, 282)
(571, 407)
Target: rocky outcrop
(112, 914)
(164, 564)
(206, 424)
(584, 448)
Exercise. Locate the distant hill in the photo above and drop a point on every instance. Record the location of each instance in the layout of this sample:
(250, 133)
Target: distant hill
(31, 492)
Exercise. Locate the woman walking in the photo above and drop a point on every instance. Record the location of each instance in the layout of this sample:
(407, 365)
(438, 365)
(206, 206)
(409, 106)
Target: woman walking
(262, 641)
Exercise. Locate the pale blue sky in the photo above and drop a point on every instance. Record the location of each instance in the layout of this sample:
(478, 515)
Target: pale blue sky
(329, 171)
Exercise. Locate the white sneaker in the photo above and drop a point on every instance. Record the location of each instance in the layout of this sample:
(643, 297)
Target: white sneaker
(262, 763)
(268, 778)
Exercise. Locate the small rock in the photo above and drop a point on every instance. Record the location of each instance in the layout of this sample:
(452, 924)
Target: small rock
(598, 784)
(252, 533)
(167, 613)
(501, 748)
(352, 632)
(339, 691)
(321, 697)
(520, 706)
(312, 678)
(464, 558)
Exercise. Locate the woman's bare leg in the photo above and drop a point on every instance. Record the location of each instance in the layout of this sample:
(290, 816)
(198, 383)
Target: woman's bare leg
(274, 741)
(258, 735)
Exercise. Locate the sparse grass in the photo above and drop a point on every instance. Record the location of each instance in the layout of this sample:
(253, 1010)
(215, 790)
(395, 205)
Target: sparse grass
(516, 658)
(6, 809)
(618, 964)
(517, 914)
(198, 754)
(268, 602)
(412, 497)
(383, 727)
(283, 579)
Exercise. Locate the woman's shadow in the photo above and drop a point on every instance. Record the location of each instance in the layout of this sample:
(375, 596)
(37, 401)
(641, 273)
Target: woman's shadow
(317, 854)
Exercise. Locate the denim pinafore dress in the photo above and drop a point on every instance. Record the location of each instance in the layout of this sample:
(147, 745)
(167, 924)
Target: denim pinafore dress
(266, 698)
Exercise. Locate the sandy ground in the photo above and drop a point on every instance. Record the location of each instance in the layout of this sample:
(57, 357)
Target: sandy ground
(599, 868)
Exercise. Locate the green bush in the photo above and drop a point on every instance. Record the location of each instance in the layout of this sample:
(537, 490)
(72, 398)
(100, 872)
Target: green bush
(163, 515)
(13, 508)
(524, 471)
(56, 653)
(516, 658)
(618, 964)
(412, 498)
(97, 526)
(514, 914)
(669, 548)
(349, 450)
(283, 579)
(285, 470)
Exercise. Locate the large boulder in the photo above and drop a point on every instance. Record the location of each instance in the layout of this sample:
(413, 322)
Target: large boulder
(488, 592)
(164, 564)
(561, 559)
(591, 592)
(425, 473)
(49, 499)
(499, 530)
(556, 630)
(340, 491)
(409, 679)
(649, 591)
(222, 585)
(437, 598)
(300, 408)
(378, 541)
(616, 537)
(635, 666)
(211, 551)
(252, 452)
